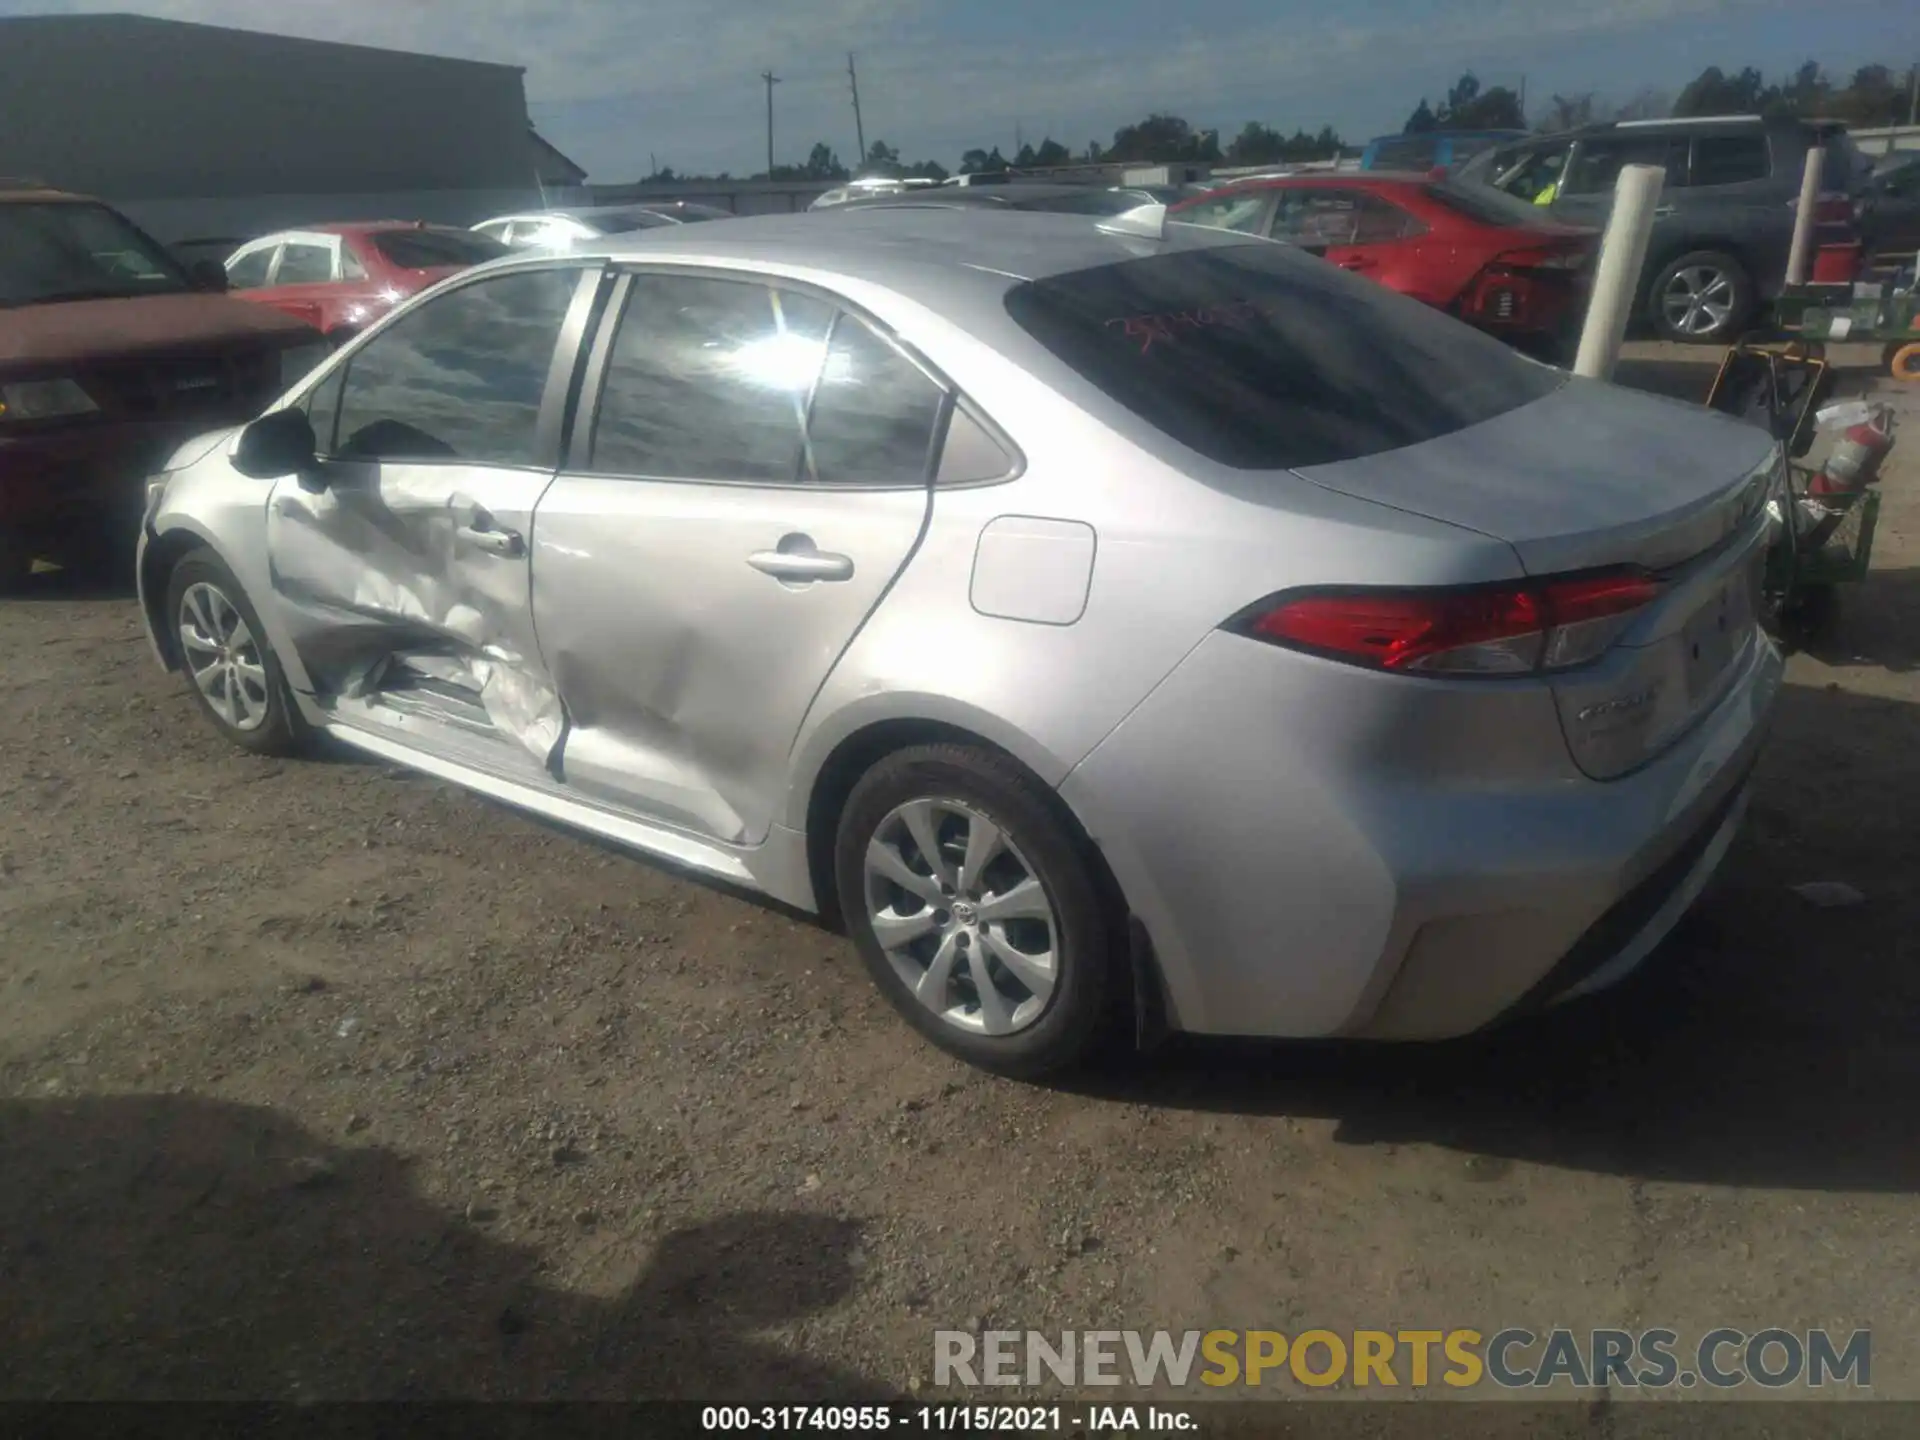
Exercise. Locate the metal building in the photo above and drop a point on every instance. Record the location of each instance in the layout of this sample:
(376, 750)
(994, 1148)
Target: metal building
(199, 130)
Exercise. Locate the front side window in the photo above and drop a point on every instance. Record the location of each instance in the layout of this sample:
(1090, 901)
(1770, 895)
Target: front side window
(1598, 163)
(63, 250)
(304, 263)
(460, 378)
(1529, 173)
(249, 272)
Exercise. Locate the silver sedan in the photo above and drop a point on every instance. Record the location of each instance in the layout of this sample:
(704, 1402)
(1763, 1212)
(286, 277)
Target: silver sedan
(1113, 625)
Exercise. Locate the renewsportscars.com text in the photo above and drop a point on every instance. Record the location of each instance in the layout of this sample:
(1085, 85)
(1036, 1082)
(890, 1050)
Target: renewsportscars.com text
(1461, 1359)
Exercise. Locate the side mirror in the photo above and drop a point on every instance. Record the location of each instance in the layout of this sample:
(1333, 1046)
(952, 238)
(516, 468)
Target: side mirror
(209, 275)
(278, 443)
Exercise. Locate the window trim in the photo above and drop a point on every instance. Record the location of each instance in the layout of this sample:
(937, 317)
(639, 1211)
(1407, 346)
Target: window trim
(557, 398)
(577, 451)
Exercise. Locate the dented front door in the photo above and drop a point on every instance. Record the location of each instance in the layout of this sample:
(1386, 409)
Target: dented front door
(402, 566)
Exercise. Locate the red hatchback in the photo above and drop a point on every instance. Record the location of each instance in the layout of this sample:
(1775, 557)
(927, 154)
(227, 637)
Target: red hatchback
(341, 278)
(1494, 262)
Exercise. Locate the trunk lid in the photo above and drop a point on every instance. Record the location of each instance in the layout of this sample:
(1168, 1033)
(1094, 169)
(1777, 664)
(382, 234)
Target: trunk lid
(1595, 476)
(1590, 475)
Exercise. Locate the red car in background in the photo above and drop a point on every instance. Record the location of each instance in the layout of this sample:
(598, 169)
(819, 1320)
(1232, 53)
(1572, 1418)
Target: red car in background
(341, 278)
(1495, 262)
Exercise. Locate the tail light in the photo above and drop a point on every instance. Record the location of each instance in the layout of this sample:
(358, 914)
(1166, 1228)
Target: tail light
(1517, 628)
(1542, 257)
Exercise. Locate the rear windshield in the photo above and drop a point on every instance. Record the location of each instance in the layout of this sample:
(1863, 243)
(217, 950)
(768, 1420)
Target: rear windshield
(1485, 204)
(435, 249)
(1263, 358)
(626, 221)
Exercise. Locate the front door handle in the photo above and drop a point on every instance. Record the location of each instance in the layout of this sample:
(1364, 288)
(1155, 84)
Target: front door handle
(798, 562)
(494, 542)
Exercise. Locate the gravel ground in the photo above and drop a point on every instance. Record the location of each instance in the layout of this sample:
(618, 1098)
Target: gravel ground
(318, 1080)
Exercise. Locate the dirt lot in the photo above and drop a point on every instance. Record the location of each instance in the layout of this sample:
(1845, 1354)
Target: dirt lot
(320, 1080)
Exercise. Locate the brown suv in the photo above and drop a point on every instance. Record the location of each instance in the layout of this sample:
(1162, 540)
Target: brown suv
(111, 355)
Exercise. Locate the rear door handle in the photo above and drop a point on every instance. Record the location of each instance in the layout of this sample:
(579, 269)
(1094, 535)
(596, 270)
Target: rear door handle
(798, 561)
(494, 542)
(1356, 263)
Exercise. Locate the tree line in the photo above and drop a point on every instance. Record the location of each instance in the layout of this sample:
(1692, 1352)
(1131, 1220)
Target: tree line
(1873, 95)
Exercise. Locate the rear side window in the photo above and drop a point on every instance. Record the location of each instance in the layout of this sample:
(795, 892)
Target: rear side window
(1243, 210)
(460, 378)
(1262, 358)
(1332, 217)
(736, 381)
(1485, 205)
(708, 380)
(304, 264)
(1730, 159)
(873, 414)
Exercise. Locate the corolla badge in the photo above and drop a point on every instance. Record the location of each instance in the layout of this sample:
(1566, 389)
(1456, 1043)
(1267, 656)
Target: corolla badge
(1616, 707)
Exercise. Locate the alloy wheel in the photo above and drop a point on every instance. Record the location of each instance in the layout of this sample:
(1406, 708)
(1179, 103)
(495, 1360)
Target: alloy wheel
(223, 657)
(1698, 300)
(962, 916)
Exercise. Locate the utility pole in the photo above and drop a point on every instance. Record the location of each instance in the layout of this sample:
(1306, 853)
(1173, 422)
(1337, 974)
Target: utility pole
(772, 80)
(859, 130)
(1913, 96)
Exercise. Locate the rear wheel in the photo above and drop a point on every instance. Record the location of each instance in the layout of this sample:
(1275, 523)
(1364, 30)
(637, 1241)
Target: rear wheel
(976, 910)
(1703, 297)
(229, 666)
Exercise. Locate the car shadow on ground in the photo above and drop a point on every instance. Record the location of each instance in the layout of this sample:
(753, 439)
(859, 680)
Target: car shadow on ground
(1877, 623)
(167, 1247)
(1768, 1043)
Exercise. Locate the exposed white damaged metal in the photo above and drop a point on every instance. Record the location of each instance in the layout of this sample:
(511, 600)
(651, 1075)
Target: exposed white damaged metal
(383, 574)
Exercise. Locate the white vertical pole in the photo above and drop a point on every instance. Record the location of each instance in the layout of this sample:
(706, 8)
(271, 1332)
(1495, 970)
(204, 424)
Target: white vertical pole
(1801, 252)
(1616, 280)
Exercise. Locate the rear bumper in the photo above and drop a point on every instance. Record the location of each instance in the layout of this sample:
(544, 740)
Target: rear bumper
(1330, 869)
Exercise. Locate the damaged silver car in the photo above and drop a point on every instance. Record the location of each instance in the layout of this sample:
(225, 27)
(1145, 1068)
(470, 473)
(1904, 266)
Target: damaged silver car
(1101, 619)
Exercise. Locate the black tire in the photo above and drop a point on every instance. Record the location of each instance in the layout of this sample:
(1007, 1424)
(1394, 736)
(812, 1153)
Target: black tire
(1701, 263)
(281, 731)
(1089, 990)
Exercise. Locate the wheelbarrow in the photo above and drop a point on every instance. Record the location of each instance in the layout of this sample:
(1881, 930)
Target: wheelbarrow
(1827, 514)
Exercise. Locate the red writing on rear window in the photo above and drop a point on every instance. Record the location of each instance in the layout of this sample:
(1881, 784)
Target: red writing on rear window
(1170, 324)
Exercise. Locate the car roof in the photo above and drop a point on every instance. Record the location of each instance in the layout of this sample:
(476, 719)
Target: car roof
(23, 192)
(925, 253)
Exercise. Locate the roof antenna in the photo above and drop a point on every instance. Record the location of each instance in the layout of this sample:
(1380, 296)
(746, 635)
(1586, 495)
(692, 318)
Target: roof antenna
(1149, 220)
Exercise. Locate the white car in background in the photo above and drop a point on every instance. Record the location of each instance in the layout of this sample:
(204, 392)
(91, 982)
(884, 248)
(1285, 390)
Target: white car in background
(564, 229)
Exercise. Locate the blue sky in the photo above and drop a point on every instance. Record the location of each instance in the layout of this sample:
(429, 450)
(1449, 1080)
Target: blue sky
(619, 84)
